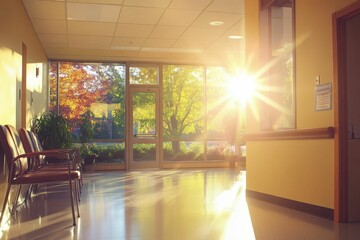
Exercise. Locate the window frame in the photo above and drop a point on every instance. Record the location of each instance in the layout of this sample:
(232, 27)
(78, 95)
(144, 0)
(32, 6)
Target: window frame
(267, 113)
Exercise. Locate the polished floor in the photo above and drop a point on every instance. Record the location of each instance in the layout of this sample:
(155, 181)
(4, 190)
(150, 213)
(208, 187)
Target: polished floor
(197, 204)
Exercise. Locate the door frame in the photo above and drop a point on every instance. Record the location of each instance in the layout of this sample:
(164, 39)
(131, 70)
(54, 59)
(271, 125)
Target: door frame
(341, 190)
(129, 138)
(22, 92)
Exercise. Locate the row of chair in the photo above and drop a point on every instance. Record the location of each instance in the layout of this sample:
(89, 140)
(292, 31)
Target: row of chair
(26, 161)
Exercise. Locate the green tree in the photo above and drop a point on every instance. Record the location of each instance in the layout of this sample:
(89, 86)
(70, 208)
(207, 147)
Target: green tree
(85, 127)
(144, 114)
(115, 74)
(183, 103)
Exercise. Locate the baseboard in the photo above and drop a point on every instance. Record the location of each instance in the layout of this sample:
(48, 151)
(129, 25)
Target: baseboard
(300, 206)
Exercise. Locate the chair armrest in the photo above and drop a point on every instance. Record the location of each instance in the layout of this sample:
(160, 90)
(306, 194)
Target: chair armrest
(42, 153)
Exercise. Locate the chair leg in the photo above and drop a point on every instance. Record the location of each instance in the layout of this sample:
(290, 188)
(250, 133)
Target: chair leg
(28, 192)
(78, 189)
(72, 202)
(81, 183)
(16, 201)
(77, 198)
(5, 202)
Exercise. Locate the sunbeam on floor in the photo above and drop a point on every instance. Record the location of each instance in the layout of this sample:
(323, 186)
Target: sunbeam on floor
(165, 205)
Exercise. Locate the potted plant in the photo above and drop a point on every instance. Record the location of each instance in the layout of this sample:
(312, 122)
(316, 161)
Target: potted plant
(85, 138)
(53, 131)
(87, 154)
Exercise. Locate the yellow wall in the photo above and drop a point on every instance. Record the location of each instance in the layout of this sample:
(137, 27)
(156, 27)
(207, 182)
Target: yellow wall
(314, 56)
(295, 169)
(16, 29)
(301, 170)
(252, 54)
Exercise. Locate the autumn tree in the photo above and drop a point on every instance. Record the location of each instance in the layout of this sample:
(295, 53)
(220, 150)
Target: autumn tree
(79, 87)
(115, 75)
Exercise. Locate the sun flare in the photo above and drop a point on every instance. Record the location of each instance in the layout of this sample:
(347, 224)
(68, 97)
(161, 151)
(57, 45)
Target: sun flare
(242, 87)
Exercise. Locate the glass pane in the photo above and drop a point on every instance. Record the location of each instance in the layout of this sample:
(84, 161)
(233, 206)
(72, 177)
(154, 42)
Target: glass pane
(282, 72)
(188, 151)
(219, 150)
(144, 152)
(225, 115)
(217, 102)
(92, 98)
(183, 103)
(109, 152)
(53, 79)
(144, 75)
(144, 114)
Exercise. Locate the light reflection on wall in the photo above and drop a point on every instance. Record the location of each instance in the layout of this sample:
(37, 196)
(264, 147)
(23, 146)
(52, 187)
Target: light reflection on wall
(34, 77)
(10, 72)
(34, 91)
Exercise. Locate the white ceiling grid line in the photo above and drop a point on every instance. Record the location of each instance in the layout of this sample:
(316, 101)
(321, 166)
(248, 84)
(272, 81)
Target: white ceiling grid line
(123, 29)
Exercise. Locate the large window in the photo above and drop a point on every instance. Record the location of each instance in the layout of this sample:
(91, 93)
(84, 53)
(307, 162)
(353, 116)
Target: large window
(92, 98)
(277, 34)
(200, 120)
(183, 118)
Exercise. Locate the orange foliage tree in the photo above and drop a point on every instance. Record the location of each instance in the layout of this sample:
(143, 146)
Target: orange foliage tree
(80, 85)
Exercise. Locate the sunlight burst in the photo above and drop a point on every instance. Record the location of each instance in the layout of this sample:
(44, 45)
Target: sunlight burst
(241, 87)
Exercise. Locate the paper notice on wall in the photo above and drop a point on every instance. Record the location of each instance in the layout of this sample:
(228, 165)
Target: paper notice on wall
(323, 97)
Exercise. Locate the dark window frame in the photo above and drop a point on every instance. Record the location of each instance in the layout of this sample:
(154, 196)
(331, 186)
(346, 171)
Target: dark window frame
(267, 114)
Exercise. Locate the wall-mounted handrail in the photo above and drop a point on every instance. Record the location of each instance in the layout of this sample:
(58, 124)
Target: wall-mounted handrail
(293, 134)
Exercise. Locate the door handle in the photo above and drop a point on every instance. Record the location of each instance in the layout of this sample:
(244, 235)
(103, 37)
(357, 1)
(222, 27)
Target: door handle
(145, 135)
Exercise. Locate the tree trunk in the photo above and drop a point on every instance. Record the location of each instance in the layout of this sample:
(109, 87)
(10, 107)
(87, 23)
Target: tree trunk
(175, 146)
(174, 125)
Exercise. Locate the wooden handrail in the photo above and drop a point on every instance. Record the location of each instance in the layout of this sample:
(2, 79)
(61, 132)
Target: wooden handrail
(294, 134)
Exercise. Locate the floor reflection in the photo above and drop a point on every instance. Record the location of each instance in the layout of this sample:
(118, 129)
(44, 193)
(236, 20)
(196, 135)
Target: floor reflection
(166, 204)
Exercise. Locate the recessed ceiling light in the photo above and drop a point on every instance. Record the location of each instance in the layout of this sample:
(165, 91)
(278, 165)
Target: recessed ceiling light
(235, 37)
(216, 23)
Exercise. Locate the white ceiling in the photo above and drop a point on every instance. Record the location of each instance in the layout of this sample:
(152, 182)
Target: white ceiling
(141, 30)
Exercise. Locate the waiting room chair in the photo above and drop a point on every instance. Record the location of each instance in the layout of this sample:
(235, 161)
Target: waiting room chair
(31, 143)
(21, 172)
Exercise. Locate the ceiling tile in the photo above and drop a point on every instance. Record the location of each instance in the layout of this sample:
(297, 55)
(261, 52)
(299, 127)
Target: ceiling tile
(189, 4)
(202, 34)
(92, 12)
(225, 43)
(45, 9)
(49, 26)
(99, 1)
(205, 18)
(169, 32)
(91, 28)
(176, 17)
(80, 39)
(238, 29)
(230, 6)
(55, 45)
(133, 30)
(52, 38)
(88, 45)
(119, 41)
(126, 48)
(147, 3)
(191, 44)
(159, 43)
(140, 15)
(155, 50)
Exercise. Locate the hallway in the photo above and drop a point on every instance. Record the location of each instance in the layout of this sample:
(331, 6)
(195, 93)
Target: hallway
(167, 204)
